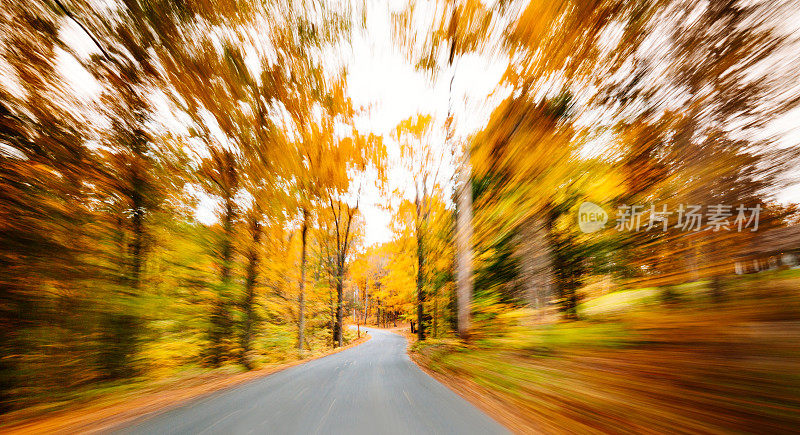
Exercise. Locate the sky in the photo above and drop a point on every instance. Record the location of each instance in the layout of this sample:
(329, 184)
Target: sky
(382, 78)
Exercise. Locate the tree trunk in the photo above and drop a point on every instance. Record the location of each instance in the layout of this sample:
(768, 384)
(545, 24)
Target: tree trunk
(220, 317)
(464, 252)
(136, 247)
(121, 328)
(532, 250)
(248, 311)
(339, 301)
(332, 307)
(435, 317)
(420, 271)
(301, 299)
(366, 304)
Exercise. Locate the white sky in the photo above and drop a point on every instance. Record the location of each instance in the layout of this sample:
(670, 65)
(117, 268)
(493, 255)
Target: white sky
(382, 79)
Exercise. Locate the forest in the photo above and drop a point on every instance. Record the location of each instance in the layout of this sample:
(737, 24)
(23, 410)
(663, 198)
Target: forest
(194, 186)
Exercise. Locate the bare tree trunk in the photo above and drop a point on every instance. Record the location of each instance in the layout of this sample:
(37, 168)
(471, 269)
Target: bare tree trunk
(464, 251)
(301, 299)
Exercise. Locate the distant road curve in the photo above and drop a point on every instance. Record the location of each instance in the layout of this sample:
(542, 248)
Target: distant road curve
(372, 388)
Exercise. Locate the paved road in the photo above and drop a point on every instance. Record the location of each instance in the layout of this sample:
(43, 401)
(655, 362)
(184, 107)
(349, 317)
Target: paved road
(373, 388)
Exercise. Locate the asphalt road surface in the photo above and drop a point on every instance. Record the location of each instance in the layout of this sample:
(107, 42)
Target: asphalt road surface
(373, 388)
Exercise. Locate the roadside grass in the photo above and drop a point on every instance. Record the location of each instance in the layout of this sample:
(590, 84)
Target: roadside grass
(547, 339)
(619, 301)
(769, 287)
(639, 363)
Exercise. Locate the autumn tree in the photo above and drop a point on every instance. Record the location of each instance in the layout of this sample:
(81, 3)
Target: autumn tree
(423, 161)
(349, 159)
(44, 162)
(434, 36)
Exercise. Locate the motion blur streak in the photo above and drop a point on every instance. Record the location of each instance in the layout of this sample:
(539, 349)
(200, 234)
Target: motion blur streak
(601, 237)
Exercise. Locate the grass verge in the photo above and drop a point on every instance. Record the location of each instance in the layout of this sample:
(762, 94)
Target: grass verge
(657, 371)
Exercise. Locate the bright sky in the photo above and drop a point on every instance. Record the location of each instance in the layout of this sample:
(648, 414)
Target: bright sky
(383, 79)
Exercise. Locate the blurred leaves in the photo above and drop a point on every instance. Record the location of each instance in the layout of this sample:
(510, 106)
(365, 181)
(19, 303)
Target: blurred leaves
(118, 119)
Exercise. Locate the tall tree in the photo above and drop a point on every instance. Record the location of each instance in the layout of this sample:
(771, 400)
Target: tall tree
(343, 216)
(434, 42)
(44, 163)
(423, 161)
(221, 170)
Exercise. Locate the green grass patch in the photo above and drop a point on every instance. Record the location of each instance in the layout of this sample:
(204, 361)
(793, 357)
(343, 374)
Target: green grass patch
(546, 339)
(619, 301)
